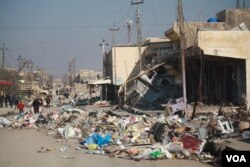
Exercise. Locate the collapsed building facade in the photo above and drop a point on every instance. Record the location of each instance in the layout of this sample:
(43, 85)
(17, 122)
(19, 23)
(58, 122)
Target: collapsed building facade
(217, 64)
(132, 85)
(217, 58)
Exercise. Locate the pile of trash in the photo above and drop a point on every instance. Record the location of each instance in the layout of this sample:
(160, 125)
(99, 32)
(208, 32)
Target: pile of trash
(137, 136)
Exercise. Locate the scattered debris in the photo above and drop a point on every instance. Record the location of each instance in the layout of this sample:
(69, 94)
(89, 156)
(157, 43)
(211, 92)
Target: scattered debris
(136, 135)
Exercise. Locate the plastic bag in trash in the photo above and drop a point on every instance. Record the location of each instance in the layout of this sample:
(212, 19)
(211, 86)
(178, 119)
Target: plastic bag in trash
(246, 134)
(156, 154)
(176, 148)
(5, 121)
(97, 139)
(69, 132)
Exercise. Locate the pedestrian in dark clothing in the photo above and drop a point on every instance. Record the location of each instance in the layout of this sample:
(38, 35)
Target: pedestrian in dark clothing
(11, 102)
(48, 100)
(16, 103)
(36, 104)
(6, 100)
(1, 100)
(75, 96)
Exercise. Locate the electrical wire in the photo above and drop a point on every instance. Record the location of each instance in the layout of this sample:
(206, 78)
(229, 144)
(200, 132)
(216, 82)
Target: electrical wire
(72, 32)
(50, 27)
(153, 9)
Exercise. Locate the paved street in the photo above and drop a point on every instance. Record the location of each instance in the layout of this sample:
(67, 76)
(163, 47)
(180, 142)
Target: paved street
(19, 148)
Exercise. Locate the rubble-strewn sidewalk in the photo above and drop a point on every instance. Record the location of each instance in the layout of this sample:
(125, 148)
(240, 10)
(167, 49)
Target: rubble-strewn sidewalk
(135, 135)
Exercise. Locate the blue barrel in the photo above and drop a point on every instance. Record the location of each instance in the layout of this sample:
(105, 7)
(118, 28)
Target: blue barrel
(212, 20)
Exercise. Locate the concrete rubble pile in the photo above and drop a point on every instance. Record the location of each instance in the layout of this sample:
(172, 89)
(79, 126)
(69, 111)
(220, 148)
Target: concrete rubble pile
(138, 136)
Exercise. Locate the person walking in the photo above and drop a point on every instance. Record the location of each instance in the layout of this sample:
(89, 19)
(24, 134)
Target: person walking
(20, 107)
(11, 100)
(1, 100)
(48, 100)
(36, 105)
(6, 99)
(16, 103)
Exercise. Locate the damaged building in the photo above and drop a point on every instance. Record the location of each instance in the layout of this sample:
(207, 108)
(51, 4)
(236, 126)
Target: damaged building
(121, 63)
(150, 85)
(217, 64)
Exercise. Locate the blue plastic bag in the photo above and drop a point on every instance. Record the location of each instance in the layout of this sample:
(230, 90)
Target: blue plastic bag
(97, 139)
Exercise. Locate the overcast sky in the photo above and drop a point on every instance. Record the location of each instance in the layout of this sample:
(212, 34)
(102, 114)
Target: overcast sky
(53, 32)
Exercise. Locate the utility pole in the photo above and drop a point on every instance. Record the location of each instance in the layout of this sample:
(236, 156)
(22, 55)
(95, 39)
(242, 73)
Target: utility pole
(74, 71)
(103, 44)
(200, 12)
(42, 76)
(139, 34)
(19, 59)
(70, 73)
(73, 74)
(114, 29)
(3, 55)
(31, 72)
(128, 25)
(241, 4)
(183, 47)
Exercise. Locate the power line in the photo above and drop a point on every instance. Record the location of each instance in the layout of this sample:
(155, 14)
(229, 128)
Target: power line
(153, 8)
(241, 4)
(51, 27)
(73, 32)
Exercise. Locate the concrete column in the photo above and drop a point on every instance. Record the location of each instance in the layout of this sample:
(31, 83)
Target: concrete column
(248, 81)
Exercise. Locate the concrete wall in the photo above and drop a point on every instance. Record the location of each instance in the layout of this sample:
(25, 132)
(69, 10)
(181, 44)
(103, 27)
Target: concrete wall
(191, 31)
(233, 44)
(125, 63)
(234, 17)
(228, 19)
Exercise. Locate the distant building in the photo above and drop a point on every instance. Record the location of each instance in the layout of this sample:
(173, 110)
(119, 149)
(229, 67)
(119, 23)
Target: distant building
(89, 75)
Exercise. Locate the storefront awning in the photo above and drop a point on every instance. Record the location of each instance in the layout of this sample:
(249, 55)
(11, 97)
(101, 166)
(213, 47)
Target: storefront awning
(4, 83)
(101, 82)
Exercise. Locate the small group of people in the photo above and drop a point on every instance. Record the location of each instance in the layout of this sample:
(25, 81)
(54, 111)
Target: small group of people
(36, 104)
(8, 100)
(12, 100)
